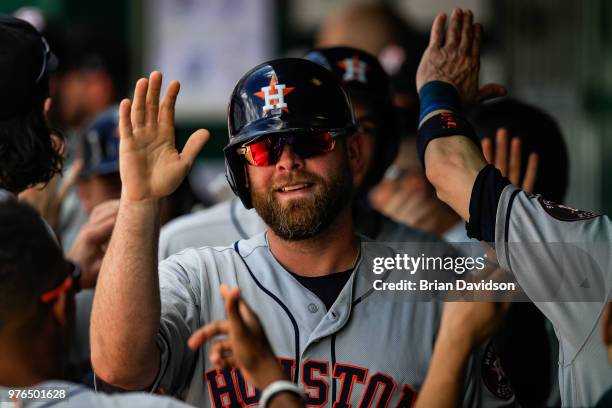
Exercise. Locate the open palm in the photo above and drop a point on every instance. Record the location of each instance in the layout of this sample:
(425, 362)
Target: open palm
(150, 165)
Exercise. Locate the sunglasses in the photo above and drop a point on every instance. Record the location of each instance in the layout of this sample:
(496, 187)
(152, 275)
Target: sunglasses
(71, 281)
(267, 150)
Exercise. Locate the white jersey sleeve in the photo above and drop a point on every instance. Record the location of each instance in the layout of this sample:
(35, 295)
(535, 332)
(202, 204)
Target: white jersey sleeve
(561, 258)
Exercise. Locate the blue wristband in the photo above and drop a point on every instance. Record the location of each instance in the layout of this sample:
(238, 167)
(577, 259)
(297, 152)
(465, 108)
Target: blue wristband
(436, 95)
(442, 125)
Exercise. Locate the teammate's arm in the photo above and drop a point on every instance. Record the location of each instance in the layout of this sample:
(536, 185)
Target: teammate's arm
(126, 310)
(450, 66)
(463, 327)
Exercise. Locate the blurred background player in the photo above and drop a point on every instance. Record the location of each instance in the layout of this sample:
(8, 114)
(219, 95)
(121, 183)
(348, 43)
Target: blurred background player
(99, 179)
(379, 30)
(37, 317)
(90, 81)
(30, 151)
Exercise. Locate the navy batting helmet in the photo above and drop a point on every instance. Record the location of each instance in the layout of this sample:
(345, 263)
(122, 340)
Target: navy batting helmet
(288, 95)
(363, 77)
(100, 145)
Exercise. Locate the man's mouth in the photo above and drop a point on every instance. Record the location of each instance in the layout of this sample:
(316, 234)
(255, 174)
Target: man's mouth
(294, 187)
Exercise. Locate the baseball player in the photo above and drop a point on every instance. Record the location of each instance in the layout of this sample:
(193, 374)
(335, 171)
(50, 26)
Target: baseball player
(501, 213)
(37, 307)
(368, 88)
(29, 149)
(25, 64)
(294, 156)
(99, 180)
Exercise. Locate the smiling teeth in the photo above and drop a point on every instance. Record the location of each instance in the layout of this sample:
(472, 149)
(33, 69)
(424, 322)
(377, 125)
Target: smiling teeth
(293, 188)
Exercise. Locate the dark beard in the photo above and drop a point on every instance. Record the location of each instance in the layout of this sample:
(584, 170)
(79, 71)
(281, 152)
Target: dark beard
(304, 218)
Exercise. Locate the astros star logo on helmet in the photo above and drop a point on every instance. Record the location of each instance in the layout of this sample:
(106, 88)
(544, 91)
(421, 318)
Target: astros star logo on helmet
(274, 95)
(354, 69)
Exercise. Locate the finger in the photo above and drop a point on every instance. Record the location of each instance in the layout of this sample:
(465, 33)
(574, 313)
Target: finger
(69, 181)
(100, 232)
(467, 33)
(138, 105)
(104, 210)
(125, 123)
(194, 144)
(530, 173)
(453, 32)
(398, 200)
(166, 110)
(219, 350)
(224, 364)
(152, 98)
(232, 298)
(423, 212)
(205, 333)
(501, 151)
(250, 318)
(514, 173)
(476, 42)
(436, 38)
(487, 149)
(490, 91)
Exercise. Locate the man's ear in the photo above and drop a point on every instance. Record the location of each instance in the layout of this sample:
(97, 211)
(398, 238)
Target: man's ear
(355, 145)
(47, 107)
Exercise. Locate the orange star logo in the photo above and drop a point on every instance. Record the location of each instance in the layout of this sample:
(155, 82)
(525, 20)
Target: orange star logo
(274, 95)
(354, 69)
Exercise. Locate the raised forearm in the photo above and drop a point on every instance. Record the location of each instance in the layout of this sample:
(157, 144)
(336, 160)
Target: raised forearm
(447, 80)
(452, 164)
(126, 310)
(444, 380)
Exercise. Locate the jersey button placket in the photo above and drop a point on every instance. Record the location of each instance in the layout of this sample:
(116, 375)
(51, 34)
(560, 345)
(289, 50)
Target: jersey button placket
(312, 308)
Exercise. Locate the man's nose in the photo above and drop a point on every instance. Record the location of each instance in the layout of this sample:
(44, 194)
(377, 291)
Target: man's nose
(289, 160)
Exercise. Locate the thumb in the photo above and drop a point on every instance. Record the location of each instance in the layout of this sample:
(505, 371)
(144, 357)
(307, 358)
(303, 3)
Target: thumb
(490, 91)
(194, 144)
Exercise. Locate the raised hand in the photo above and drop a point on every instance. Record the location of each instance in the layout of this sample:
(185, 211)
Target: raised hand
(150, 165)
(508, 161)
(90, 244)
(246, 345)
(453, 56)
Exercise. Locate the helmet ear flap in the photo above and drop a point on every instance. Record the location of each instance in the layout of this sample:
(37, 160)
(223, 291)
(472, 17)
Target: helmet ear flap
(236, 175)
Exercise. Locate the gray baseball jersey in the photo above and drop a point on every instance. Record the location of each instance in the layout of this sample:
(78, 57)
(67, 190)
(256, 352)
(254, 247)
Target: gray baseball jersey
(222, 224)
(366, 350)
(584, 371)
(76, 395)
